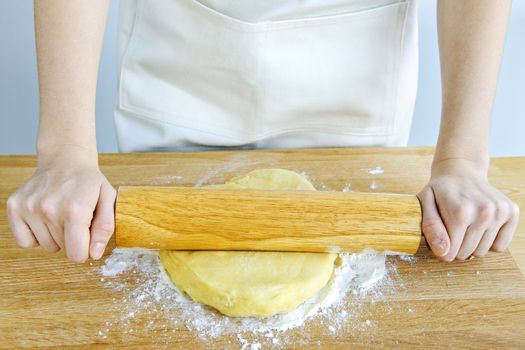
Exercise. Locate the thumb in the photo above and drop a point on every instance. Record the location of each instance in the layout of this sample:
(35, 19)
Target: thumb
(103, 224)
(432, 226)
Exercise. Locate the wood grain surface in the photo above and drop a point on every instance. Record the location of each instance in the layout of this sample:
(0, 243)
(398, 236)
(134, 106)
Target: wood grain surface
(49, 303)
(188, 218)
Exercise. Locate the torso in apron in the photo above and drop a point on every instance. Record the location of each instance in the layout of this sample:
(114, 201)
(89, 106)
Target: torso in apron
(265, 73)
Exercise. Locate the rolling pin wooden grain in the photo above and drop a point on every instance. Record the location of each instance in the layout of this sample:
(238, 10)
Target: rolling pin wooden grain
(184, 218)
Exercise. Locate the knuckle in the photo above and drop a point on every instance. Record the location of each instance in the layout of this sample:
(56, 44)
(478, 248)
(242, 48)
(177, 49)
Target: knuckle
(515, 209)
(487, 211)
(503, 210)
(463, 213)
(12, 203)
(47, 208)
(30, 204)
(73, 210)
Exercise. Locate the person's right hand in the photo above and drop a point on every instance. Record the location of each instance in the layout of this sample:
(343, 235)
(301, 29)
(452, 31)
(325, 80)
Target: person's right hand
(67, 204)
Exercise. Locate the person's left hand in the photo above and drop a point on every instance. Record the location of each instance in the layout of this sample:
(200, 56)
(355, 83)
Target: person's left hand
(463, 214)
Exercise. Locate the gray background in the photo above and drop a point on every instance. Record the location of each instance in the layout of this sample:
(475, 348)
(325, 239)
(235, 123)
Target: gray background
(19, 94)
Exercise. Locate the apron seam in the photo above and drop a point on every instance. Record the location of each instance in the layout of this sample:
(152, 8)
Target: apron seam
(129, 50)
(275, 131)
(404, 9)
(263, 67)
(130, 36)
(243, 26)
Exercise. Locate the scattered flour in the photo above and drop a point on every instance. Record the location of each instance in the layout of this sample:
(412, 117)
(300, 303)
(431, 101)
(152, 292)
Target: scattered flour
(408, 258)
(376, 171)
(147, 291)
(166, 179)
(304, 175)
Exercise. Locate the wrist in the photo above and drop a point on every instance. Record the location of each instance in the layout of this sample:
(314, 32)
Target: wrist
(64, 134)
(69, 153)
(459, 166)
(455, 157)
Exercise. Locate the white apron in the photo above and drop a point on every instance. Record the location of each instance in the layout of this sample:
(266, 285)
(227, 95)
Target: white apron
(265, 74)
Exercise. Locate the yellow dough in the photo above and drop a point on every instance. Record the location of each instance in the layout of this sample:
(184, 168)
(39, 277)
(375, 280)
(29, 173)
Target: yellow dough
(251, 283)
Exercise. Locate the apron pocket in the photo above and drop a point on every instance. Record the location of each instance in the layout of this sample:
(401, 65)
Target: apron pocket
(191, 66)
(334, 74)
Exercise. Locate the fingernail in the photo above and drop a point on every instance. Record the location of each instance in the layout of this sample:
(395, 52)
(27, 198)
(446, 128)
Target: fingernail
(98, 250)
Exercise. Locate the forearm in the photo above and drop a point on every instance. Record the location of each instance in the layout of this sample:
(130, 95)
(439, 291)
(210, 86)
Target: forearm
(69, 37)
(471, 40)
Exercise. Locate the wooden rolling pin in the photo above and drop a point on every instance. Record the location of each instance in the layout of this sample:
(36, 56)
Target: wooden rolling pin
(184, 218)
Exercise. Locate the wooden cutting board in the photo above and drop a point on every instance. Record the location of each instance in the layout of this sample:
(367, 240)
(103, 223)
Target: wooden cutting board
(48, 302)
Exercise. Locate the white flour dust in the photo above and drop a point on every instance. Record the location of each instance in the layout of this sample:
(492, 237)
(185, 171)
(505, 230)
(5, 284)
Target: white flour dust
(376, 171)
(374, 185)
(166, 179)
(146, 291)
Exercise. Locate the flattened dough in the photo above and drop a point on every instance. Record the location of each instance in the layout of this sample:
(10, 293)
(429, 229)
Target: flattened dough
(242, 284)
